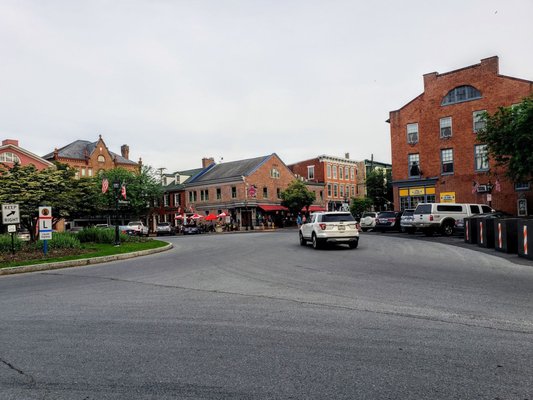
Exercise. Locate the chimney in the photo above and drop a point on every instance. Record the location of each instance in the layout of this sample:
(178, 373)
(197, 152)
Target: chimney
(13, 142)
(347, 156)
(125, 151)
(206, 162)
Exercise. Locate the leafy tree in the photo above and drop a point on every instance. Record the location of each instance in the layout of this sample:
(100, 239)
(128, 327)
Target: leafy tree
(360, 204)
(53, 187)
(142, 189)
(379, 187)
(297, 196)
(508, 135)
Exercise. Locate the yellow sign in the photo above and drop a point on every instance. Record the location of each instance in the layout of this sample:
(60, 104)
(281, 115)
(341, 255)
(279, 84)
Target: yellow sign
(447, 197)
(416, 191)
(404, 192)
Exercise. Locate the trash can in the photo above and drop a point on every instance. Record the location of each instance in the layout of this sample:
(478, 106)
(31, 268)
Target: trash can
(471, 226)
(505, 235)
(485, 226)
(525, 236)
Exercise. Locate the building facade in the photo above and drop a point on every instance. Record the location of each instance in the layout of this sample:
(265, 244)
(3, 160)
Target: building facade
(90, 158)
(11, 153)
(436, 156)
(340, 178)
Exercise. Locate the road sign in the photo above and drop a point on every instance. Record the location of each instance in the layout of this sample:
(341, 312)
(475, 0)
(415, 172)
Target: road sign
(11, 228)
(45, 223)
(10, 214)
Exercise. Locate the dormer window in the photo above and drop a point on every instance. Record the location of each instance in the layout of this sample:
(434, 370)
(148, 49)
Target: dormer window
(461, 94)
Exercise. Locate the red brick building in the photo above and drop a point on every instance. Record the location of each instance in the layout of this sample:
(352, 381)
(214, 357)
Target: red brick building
(435, 153)
(11, 153)
(339, 177)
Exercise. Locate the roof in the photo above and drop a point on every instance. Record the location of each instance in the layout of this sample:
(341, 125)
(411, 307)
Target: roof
(15, 148)
(228, 171)
(80, 148)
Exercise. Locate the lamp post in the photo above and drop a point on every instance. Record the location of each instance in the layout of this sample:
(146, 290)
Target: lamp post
(116, 188)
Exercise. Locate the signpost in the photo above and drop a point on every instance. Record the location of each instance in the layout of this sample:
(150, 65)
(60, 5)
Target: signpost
(45, 226)
(10, 217)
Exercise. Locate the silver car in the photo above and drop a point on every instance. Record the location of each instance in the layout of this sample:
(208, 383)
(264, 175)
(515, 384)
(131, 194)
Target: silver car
(406, 222)
(368, 220)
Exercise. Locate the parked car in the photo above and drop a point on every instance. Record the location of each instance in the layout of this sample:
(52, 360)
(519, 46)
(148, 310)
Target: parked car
(165, 228)
(368, 220)
(330, 227)
(406, 221)
(388, 221)
(432, 217)
(24, 234)
(139, 228)
(76, 229)
(127, 230)
(191, 229)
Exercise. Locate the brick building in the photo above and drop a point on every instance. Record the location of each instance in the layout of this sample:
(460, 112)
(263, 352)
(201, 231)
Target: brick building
(89, 158)
(435, 153)
(11, 154)
(341, 178)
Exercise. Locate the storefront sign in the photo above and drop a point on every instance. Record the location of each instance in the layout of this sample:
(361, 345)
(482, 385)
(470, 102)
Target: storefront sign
(416, 191)
(447, 197)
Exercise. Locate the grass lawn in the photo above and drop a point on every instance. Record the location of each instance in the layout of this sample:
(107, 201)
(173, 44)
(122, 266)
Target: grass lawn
(88, 250)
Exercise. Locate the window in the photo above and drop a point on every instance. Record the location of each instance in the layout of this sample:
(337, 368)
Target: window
(321, 195)
(204, 195)
(352, 173)
(90, 172)
(101, 159)
(478, 120)
(166, 199)
(265, 193)
(334, 172)
(176, 199)
(274, 173)
(446, 127)
(278, 193)
(353, 190)
(311, 172)
(460, 94)
(341, 173)
(521, 186)
(329, 170)
(412, 133)
(335, 190)
(219, 194)
(233, 192)
(446, 158)
(83, 171)
(9, 157)
(329, 189)
(481, 157)
(341, 190)
(192, 196)
(414, 165)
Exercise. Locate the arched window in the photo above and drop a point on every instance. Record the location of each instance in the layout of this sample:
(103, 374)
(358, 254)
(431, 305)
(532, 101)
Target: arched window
(9, 157)
(461, 94)
(101, 159)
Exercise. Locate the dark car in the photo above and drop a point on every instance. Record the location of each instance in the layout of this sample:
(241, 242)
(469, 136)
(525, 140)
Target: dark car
(191, 230)
(388, 221)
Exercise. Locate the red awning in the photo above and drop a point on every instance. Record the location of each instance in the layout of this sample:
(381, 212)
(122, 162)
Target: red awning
(314, 209)
(272, 207)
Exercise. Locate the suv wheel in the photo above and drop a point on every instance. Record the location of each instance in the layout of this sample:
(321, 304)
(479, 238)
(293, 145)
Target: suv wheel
(303, 242)
(316, 243)
(447, 228)
(353, 245)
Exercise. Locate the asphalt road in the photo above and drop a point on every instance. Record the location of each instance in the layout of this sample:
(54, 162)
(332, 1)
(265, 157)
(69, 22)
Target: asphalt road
(256, 316)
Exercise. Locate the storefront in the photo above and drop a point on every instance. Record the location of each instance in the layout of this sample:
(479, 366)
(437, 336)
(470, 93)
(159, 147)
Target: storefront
(412, 195)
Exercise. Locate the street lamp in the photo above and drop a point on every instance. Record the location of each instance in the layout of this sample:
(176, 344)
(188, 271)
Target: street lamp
(116, 188)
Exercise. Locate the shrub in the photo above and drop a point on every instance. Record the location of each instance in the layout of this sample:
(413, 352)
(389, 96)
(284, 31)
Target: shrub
(5, 243)
(60, 240)
(106, 236)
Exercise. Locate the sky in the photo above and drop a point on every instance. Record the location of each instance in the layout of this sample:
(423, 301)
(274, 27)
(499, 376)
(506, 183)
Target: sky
(235, 79)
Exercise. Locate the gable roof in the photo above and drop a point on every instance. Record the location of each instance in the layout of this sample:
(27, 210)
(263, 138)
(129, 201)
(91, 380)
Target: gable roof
(228, 171)
(80, 148)
(15, 148)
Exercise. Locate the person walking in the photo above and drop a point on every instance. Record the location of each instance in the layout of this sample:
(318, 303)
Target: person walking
(299, 220)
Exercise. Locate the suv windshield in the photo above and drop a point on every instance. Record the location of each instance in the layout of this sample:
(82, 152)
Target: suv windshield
(423, 209)
(387, 214)
(337, 217)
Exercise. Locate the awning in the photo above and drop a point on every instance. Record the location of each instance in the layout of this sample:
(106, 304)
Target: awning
(272, 207)
(314, 209)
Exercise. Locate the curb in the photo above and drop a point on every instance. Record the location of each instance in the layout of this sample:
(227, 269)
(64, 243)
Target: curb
(82, 262)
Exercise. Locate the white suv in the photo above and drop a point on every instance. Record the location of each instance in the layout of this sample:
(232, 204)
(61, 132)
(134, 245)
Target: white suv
(430, 217)
(368, 220)
(330, 227)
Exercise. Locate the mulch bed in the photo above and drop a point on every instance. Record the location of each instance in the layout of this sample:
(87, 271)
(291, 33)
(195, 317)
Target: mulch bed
(25, 255)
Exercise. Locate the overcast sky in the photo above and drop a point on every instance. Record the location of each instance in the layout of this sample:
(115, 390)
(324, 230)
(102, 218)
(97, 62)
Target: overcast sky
(181, 80)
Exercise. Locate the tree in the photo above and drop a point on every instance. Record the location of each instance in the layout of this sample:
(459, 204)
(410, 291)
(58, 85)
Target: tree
(297, 196)
(379, 187)
(53, 187)
(359, 205)
(508, 135)
(142, 189)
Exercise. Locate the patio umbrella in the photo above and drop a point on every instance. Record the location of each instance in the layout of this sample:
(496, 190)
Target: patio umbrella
(179, 217)
(222, 215)
(195, 216)
(211, 217)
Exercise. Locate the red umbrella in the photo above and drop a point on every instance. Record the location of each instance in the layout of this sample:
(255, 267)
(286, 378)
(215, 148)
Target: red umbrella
(211, 217)
(196, 216)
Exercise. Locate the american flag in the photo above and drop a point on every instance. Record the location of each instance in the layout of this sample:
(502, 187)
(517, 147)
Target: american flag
(105, 185)
(497, 186)
(123, 191)
(474, 187)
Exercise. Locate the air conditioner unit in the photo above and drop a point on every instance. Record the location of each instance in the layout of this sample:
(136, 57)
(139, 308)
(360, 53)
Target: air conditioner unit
(482, 189)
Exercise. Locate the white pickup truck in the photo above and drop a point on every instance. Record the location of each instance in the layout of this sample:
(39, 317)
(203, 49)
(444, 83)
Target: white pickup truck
(138, 228)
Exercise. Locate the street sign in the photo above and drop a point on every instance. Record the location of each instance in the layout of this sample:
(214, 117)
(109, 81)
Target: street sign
(10, 214)
(11, 228)
(45, 223)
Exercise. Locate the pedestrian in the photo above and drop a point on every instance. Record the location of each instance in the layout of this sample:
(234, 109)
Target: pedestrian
(299, 220)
